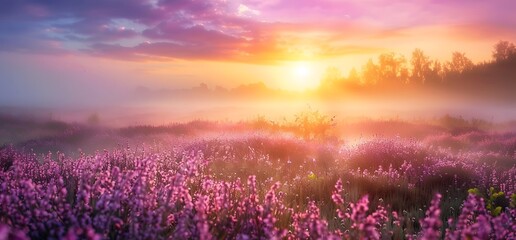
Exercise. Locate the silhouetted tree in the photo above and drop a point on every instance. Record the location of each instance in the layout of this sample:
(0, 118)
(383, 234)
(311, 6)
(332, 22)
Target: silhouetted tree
(460, 63)
(388, 66)
(353, 76)
(221, 89)
(370, 72)
(392, 67)
(332, 76)
(491, 79)
(420, 66)
(446, 70)
(504, 50)
(93, 119)
(203, 86)
(437, 71)
(404, 74)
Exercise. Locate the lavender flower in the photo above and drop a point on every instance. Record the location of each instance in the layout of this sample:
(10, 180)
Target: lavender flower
(431, 224)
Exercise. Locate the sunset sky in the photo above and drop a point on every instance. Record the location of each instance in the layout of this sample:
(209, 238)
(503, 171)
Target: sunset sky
(52, 50)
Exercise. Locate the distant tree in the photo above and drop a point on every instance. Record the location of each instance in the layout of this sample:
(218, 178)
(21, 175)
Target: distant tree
(437, 71)
(388, 66)
(370, 72)
(404, 74)
(391, 67)
(221, 89)
(353, 76)
(420, 66)
(93, 119)
(446, 70)
(203, 86)
(460, 63)
(504, 50)
(331, 77)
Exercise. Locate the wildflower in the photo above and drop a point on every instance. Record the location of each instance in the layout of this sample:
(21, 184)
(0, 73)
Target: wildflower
(431, 224)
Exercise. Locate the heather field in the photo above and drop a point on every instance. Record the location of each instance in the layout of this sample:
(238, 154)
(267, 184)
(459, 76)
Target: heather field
(258, 119)
(310, 177)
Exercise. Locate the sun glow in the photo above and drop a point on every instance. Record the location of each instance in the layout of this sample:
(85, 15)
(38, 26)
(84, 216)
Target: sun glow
(301, 71)
(303, 76)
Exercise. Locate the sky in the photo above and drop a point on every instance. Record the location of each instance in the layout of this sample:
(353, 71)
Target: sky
(71, 52)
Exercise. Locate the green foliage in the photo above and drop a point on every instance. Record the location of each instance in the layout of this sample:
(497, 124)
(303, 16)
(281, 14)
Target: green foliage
(496, 211)
(312, 176)
(496, 200)
(474, 191)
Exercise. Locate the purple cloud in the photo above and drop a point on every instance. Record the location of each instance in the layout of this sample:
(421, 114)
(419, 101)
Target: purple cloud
(191, 35)
(267, 32)
(97, 30)
(136, 10)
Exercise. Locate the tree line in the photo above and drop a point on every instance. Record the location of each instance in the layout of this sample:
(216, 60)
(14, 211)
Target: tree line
(395, 70)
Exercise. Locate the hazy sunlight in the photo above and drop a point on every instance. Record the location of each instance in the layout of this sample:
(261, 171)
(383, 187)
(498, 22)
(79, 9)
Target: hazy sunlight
(232, 119)
(303, 76)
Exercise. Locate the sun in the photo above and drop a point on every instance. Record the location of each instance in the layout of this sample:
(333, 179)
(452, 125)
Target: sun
(301, 71)
(303, 76)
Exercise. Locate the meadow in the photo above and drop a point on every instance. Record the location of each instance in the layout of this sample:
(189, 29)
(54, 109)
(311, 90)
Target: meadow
(309, 177)
(246, 119)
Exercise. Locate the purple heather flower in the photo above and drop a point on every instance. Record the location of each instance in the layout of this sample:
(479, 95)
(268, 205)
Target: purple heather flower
(431, 224)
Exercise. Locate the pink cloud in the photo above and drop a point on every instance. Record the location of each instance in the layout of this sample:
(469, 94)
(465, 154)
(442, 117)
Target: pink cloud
(216, 30)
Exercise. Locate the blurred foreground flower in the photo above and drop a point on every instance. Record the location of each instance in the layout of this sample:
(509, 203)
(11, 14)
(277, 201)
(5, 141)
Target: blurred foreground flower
(312, 176)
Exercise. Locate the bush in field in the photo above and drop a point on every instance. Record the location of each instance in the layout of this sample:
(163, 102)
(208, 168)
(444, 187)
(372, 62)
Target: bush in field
(262, 123)
(311, 124)
(93, 119)
(7, 156)
(459, 125)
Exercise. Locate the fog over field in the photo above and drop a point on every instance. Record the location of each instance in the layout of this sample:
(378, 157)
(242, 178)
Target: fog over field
(246, 119)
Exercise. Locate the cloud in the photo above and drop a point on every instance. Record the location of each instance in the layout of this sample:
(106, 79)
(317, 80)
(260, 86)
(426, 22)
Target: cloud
(251, 31)
(480, 31)
(195, 35)
(27, 37)
(137, 10)
(244, 10)
(95, 31)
